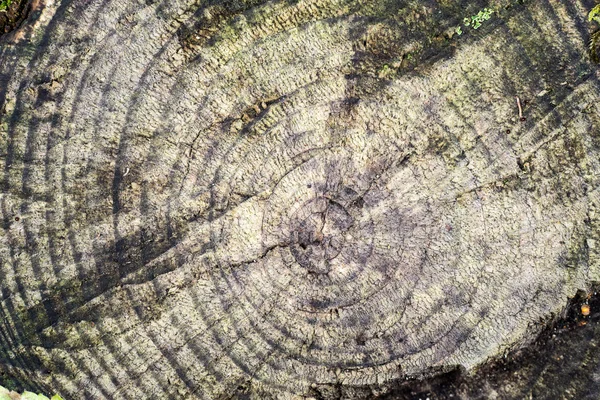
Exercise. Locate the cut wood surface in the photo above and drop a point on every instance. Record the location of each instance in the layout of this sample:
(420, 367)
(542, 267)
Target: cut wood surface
(289, 199)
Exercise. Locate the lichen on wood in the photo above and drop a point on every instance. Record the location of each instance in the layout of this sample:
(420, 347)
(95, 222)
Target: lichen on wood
(289, 199)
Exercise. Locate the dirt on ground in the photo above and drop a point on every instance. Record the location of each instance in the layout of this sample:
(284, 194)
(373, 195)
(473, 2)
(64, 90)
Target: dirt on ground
(561, 363)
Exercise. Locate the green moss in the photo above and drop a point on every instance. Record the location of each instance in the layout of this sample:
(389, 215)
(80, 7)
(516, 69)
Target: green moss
(386, 71)
(4, 4)
(476, 20)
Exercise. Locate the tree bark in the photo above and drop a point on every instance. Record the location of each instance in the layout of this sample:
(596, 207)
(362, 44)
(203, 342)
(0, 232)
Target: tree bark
(289, 199)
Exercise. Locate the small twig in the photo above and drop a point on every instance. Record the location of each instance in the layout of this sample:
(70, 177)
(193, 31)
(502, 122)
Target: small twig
(520, 109)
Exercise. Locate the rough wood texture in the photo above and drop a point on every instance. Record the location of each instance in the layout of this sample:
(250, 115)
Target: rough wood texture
(563, 363)
(287, 199)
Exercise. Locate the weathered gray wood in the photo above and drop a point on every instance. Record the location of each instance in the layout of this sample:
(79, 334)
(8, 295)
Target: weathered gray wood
(219, 199)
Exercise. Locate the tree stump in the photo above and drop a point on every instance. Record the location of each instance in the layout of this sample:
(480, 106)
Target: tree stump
(290, 198)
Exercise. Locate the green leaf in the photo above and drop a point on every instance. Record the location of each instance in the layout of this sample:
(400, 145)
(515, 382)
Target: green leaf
(29, 396)
(4, 393)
